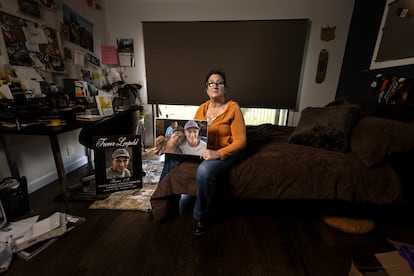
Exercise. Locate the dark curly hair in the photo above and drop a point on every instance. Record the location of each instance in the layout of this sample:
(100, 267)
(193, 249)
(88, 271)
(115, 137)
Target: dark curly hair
(216, 72)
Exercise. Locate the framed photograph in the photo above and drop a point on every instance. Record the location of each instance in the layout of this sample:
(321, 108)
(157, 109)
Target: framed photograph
(125, 45)
(118, 163)
(395, 43)
(181, 136)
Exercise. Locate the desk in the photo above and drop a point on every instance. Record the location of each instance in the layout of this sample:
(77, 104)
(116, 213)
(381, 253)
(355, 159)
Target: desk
(42, 130)
(121, 123)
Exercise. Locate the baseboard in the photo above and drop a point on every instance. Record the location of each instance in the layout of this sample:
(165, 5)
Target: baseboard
(48, 178)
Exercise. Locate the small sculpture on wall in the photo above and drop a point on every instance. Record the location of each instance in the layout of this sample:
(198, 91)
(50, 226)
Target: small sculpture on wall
(322, 65)
(328, 33)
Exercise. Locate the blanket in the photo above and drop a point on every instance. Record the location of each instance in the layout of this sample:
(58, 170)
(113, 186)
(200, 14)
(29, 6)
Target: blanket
(277, 169)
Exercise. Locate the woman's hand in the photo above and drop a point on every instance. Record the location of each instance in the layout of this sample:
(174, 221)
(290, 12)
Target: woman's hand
(210, 155)
(160, 145)
(171, 147)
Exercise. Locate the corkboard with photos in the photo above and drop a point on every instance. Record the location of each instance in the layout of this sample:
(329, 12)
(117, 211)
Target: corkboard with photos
(30, 44)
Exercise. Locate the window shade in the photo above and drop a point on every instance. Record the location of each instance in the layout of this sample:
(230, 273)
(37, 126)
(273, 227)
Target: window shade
(262, 60)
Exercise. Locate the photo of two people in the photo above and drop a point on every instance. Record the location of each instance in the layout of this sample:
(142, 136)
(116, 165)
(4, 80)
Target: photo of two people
(178, 136)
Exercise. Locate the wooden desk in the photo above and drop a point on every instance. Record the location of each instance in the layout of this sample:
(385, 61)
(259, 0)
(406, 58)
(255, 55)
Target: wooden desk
(124, 122)
(42, 130)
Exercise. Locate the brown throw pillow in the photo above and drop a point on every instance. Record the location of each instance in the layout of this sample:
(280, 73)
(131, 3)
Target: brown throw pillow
(325, 127)
(350, 225)
(373, 139)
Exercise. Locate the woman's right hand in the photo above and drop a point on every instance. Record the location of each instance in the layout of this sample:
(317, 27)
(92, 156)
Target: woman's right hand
(160, 145)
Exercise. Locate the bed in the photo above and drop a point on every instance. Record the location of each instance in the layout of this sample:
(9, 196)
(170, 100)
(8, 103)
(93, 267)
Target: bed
(352, 160)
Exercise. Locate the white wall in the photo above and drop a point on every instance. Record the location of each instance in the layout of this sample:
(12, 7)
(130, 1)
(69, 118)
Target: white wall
(124, 19)
(33, 153)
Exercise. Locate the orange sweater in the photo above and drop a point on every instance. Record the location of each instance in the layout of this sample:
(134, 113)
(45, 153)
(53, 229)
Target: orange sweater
(227, 133)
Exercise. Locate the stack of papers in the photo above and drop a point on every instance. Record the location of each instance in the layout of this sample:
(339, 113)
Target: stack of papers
(89, 117)
(30, 231)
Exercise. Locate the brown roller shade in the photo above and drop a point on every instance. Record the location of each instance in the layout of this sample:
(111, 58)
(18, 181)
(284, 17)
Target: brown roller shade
(262, 60)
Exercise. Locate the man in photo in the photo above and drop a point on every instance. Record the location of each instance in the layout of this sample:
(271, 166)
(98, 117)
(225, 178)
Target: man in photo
(119, 168)
(192, 145)
(162, 145)
(170, 129)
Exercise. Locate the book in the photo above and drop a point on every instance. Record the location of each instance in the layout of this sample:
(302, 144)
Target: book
(104, 104)
(33, 250)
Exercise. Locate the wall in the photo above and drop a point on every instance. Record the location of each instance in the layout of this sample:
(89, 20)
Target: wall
(123, 20)
(33, 153)
(125, 17)
(355, 74)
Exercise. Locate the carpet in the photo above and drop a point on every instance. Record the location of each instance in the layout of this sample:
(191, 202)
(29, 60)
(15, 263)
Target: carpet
(136, 199)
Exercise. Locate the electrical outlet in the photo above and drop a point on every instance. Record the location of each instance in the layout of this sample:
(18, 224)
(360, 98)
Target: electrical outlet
(69, 150)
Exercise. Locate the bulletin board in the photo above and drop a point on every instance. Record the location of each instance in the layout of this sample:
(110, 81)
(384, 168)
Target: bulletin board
(395, 43)
(30, 44)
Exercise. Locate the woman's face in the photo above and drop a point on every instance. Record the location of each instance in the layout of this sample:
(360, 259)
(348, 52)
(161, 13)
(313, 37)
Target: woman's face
(215, 86)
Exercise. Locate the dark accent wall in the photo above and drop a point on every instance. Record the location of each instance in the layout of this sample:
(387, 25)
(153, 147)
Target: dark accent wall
(354, 82)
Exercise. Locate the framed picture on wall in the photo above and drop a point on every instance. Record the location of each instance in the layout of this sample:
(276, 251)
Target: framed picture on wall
(80, 29)
(118, 163)
(29, 7)
(395, 43)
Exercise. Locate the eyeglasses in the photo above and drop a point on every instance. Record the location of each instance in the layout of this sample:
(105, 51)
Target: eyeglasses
(214, 84)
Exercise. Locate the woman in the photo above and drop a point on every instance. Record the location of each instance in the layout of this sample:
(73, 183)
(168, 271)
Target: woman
(226, 141)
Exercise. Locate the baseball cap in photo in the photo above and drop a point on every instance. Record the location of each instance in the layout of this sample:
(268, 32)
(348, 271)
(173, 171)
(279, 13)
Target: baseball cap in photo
(120, 153)
(191, 124)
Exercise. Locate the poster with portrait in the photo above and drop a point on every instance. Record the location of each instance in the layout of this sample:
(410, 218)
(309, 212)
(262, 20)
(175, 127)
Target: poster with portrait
(118, 163)
(80, 29)
(180, 136)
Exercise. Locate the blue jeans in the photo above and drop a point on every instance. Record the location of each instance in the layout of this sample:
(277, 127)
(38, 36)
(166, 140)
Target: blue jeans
(208, 176)
(171, 161)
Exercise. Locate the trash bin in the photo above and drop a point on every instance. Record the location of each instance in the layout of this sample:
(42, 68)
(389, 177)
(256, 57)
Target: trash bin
(14, 197)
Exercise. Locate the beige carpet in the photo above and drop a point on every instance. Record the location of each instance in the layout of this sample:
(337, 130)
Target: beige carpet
(138, 199)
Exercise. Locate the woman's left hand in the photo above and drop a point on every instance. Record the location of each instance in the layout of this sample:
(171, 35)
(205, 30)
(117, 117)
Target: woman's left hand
(210, 155)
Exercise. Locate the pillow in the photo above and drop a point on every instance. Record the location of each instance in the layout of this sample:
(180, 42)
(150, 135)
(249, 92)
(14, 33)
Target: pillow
(373, 139)
(339, 101)
(349, 225)
(326, 127)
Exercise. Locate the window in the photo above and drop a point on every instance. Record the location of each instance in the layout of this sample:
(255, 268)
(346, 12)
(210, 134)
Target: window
(264, 56)
(252, 116)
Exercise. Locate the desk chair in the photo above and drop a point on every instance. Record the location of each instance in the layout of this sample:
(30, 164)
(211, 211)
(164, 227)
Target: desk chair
(122, 123)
